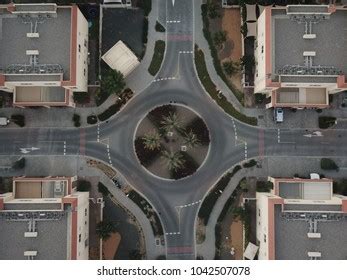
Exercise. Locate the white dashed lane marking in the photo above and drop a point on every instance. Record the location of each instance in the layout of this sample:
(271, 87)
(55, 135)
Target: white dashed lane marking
(109, 155)
(173, 21)
(98, 133)
(64, 148)
(190, 204)
(173, 233)
(246, 156)
(164, 79)
(278, 136)
(185, 52)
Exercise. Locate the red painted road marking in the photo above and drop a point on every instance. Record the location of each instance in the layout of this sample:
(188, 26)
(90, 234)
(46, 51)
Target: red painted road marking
(261, 143)
(180, 250)
(82, 141)
(179, 37)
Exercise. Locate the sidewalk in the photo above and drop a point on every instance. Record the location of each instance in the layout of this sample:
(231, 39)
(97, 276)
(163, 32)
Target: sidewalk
(140, 78)
(277, 167)
(300, 119)
(72, 166)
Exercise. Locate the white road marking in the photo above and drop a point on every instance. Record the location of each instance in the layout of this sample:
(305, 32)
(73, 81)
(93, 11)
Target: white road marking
(64, 148)
(28, 150)
(98, 133)
(186, 52)
(109, 154)
(235, 130)
(246, 156)
(173, 233)
(278, 136)
(164, 79)
(190, 204)
(173, 3)
(173, 21)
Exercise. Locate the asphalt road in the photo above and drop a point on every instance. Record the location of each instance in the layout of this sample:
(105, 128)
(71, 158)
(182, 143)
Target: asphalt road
(231, 141)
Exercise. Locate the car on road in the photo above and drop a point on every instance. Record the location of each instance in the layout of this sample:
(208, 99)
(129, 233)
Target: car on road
(278, 115)
(4, 121)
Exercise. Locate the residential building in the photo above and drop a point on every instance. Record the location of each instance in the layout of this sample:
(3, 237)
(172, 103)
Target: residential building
(43, 53)
(301, 219)
(300, 54)
(44, 219)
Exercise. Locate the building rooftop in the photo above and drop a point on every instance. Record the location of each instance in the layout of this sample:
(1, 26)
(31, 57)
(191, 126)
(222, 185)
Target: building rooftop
(35, 42)
(321, 52)
(292, 241)
(50, 243)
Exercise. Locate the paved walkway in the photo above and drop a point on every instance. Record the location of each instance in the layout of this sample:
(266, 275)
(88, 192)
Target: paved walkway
(299, 119)
(72, 166)
(277, 167)
(140, 78)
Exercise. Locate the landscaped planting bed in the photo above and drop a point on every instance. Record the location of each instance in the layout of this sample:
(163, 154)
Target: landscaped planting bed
(157, 59)
(172, 142)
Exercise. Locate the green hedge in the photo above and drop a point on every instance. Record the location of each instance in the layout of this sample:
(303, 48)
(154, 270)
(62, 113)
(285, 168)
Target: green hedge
(212, 90)
(159, 27)
(157, 58)
(212, 197)
(326, 122)
(214, 54)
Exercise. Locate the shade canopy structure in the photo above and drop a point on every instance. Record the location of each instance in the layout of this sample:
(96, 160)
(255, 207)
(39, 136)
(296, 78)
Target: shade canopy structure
(251, 15)
(121, 58)
(251, 29)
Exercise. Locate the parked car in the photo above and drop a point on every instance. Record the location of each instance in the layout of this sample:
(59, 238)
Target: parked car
(278, 115)
(4, 121)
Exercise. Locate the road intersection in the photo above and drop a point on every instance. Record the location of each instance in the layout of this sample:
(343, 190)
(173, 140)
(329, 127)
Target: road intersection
(232, 142)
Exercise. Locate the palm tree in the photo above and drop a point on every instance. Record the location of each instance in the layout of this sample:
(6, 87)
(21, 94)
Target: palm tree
(105, 228)
(113, 82)
(170, 122)
(190, 139)
(151, 141)
(174, 160)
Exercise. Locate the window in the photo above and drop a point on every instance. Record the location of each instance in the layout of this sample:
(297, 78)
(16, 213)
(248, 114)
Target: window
(79, 237)
(265, 238)
(79, 48)
(84, 72)
(262, 49)
(85, 210)
(85, 43)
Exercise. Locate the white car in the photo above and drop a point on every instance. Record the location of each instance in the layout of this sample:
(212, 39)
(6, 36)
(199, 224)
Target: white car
(279, 115)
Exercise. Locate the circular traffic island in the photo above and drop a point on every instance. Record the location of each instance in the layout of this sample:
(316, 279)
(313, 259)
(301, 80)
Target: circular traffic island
(172, 142)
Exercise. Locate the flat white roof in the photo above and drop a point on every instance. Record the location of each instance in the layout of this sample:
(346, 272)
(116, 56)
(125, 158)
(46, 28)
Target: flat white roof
(121, 58)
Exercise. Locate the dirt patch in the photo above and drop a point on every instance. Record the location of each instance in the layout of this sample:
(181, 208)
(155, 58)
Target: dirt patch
(110, 246)
(236, 239)
(200, 231)
(231, 23)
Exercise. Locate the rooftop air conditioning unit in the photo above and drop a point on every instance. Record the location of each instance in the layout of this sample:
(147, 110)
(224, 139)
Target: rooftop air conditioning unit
(30, 253)
(30, 234)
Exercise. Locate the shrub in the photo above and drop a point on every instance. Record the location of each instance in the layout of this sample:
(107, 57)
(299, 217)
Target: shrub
(250, 163)
(83, 186)
(105, 228)
(103, 189)
(110, 111)
(328, 164)
(259, 98)
(230, 68)
(19, 164)
(157, 58)
(76, 120)
(326, 122)
(18, 119)
(264, 186)
(319, 110)
(92, 119)
(145, 31)
(159, 27)
(81, 97)
(219, 38)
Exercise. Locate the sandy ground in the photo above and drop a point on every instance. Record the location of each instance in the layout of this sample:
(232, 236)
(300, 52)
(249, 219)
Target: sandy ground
(231, 23)
(236, 239)
(110, 246)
